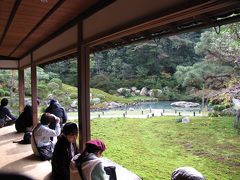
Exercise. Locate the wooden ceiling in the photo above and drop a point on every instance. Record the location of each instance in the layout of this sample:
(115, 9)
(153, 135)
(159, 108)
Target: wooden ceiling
(47, 29)
(23, 24)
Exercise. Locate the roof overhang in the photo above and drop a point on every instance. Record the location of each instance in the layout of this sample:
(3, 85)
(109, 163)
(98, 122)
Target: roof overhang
(42, 31)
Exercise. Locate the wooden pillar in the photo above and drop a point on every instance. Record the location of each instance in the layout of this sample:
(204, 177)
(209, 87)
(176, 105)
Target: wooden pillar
(21, 89)
(83, 90)
(34, 91)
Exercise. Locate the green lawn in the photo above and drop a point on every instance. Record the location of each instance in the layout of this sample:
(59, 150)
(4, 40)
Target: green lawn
(154, 147)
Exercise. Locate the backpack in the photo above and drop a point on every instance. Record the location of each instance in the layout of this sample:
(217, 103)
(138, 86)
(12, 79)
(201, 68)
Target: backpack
(26, 138)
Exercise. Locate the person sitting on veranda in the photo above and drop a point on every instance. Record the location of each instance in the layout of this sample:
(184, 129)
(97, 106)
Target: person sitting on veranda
(56, 109)
(5, 114)
(65, 149)
(186, 173)
(89, 163)
(24, 122)
(41, 135)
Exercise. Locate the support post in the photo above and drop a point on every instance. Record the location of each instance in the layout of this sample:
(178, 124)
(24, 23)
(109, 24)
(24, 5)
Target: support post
(21, 89)
(34, 91)
(83, 90)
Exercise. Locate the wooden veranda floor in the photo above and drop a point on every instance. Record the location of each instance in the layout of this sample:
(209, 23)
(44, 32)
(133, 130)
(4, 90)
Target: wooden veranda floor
(19, 158)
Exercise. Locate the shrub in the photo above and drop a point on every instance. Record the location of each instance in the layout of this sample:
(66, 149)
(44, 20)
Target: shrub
(42, 90)
(219, 108)
(7, 93)
(58, 81)
(2, 92)
(73, 95)
(126, 92)
(100, 96)
(213, 114)
(58, 93)
(100, 81)
(53, 86)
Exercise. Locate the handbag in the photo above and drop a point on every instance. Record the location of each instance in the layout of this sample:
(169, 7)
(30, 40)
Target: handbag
(111, 171)
(46, 152)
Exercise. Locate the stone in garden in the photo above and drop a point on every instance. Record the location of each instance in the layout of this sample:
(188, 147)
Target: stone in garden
(143, 91)
(230, 111)
(185, 104)
(96, 100)
(187, 173)
(137, 92)
(128, 91)
(120, 90)
(185, 120)
(74, 104)
(114, 105)
(133, 89)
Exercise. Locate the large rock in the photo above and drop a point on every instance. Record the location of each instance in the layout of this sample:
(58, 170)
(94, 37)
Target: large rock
(111, 105)
(120, 90)
(143, 91)
(185, 104)
(185, 120)
(133, 89)
(74, 103)
(137, 92)
(236, 103)
(95, 101)
(230, 111)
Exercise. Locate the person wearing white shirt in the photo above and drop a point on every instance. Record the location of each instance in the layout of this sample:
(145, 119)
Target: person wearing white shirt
(42, 133)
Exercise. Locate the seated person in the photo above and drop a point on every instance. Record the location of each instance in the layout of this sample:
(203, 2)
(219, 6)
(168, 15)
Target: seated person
(89, 163)
(186, 173)
(56, 109)
(5, 115)
(24, 121)
(41, 135)
(64, 151)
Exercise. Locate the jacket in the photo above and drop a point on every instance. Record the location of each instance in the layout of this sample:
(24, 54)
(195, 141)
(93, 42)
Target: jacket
(56, 109)
(62, 155)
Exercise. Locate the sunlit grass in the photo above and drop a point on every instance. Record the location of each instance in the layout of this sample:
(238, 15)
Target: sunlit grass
(154, 147)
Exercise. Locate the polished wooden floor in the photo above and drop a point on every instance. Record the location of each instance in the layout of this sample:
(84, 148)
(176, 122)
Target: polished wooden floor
(19, 158)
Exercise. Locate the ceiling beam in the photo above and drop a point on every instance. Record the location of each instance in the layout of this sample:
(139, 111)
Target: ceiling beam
(205, 19)
(50, 12)
(10, 19)
(8, 58)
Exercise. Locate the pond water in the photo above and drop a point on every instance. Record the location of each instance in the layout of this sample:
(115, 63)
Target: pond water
(164, 105)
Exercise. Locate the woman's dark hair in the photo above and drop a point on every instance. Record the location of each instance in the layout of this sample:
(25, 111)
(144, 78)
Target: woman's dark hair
(4, 102)
(70, 129)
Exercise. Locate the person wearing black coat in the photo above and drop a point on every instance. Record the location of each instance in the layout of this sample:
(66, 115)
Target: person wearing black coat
(24, 120)
(65, 149)
(56, 109)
